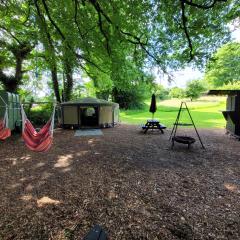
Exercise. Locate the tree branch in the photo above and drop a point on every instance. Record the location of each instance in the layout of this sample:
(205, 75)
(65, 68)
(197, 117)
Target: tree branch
(100, 22)
(52, 21)
(99, 9)
(136, 40)
(103, 32)
(64, 38)
(9, 32)
(79, 56)
(28, 14)
(77, 24)
(190, 3)
(75, 18)
(43, 20)
(184, 21)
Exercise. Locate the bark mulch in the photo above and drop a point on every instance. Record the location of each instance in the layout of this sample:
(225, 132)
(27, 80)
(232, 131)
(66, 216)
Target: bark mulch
(131, 184)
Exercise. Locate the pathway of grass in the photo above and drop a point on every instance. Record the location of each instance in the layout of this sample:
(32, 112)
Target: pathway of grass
(205, 112)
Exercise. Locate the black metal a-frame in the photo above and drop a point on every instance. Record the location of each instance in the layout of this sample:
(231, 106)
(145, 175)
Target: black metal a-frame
(181, 139)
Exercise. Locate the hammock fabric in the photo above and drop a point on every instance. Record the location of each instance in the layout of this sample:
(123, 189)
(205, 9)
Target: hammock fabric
(5, 132)
(37, 141)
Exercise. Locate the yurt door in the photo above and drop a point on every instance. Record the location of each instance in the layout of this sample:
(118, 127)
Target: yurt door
(89, 116)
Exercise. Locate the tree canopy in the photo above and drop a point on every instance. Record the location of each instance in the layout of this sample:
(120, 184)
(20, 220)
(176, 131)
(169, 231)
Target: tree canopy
(194, 89)
(177, 92)
(224, 67)
(114, 42)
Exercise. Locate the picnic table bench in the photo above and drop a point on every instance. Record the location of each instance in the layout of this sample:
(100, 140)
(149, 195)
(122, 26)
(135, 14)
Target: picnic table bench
(154, 125)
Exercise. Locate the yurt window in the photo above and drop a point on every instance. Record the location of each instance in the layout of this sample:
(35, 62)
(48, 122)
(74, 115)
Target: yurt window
(89, 116)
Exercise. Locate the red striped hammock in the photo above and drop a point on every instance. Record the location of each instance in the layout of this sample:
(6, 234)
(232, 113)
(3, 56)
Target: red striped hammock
(37, 141)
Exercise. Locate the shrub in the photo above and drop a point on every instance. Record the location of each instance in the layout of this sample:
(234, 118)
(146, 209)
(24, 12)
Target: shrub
(39, 115)
(177, 92)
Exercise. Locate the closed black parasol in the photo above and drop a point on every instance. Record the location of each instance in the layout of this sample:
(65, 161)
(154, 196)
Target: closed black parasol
(153, 106)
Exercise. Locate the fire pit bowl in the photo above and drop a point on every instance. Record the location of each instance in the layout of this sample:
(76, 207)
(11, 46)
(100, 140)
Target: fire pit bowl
(184, 140)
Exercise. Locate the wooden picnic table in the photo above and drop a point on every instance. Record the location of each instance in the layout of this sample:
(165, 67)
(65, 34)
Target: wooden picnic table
(154, 125)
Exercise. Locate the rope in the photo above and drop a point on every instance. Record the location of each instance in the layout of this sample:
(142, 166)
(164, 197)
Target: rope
(24, 117)
(10, 107)
(52, 121)
(6, 117)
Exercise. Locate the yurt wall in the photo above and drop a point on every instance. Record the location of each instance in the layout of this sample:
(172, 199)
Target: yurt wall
(88, 112)
(70, 115)
(116, 115)
(106, 115)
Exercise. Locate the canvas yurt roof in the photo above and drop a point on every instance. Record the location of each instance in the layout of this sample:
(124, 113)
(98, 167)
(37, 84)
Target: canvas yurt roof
(90, 101)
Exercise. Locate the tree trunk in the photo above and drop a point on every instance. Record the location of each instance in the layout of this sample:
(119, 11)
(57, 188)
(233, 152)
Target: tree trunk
(9, 82)
(68, 84)
(55, 82)
(49, 47)
(20, 52)
(18, 69)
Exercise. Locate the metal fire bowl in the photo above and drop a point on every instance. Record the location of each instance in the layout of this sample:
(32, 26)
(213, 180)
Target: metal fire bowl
(184, 139)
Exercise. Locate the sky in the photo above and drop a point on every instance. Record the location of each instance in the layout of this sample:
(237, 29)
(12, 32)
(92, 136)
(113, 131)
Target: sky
(180, 78)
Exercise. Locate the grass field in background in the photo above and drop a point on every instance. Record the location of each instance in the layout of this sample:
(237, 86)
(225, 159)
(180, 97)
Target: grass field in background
(205, 113)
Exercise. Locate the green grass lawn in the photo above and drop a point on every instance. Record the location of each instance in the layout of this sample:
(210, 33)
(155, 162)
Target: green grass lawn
(205, 113)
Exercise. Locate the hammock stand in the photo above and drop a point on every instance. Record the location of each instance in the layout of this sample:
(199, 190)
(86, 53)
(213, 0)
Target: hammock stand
(37, 141)
(5, 131)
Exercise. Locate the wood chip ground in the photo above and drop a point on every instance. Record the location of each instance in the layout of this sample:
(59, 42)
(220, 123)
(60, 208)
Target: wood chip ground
(131, 184)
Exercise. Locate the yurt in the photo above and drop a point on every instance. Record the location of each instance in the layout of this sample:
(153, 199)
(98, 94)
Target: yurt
(89, 113)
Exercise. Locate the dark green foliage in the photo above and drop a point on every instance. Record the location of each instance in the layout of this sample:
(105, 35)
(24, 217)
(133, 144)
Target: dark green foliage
(113, 42)
(19, 53)
(131, 98)
(103, 95)
(40, 115)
